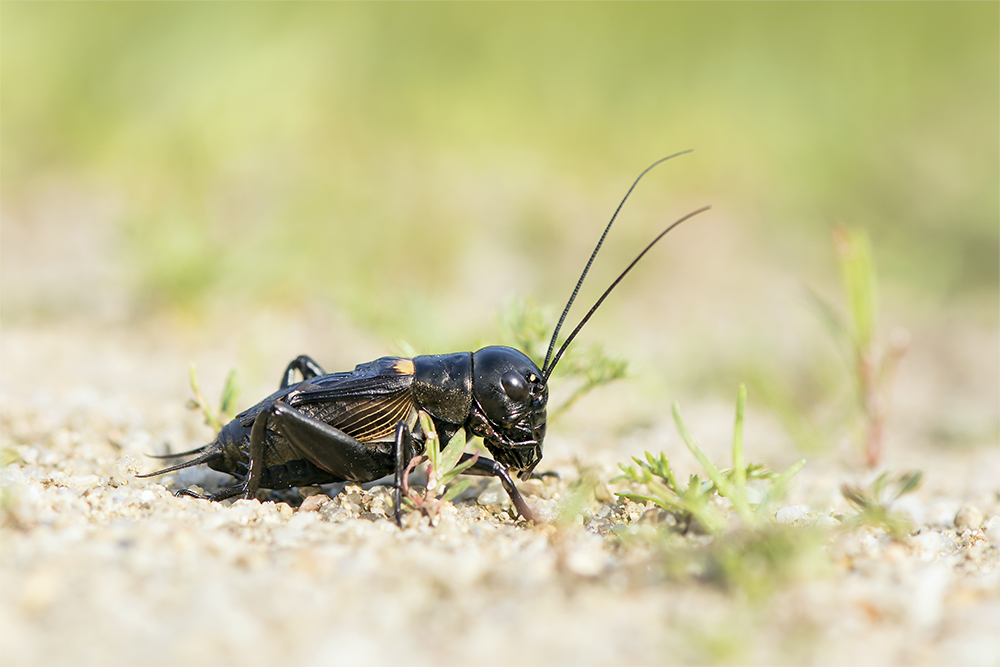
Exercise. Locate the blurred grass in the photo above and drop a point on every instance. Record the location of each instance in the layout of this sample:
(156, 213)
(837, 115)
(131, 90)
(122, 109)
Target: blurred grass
(377, 156)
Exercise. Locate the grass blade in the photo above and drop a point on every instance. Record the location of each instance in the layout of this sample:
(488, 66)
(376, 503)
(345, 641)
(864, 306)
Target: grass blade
(717, 478)
(230, 393)
(739, 466)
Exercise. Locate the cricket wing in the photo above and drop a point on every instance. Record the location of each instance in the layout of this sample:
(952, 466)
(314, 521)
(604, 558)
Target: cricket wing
(366, 404)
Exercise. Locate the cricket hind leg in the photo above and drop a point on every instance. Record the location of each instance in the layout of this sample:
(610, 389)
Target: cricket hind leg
(305, 365)
(325, 446)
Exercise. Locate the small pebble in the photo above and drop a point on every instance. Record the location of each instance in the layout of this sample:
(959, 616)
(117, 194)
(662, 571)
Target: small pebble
(122, 472)
(314, 502)
(633, 510)
(493, 497)
(545, 511)
(868, 545)
(84, 482)
(992, 529)
(791, 514)
(969, 516)
(930, 545)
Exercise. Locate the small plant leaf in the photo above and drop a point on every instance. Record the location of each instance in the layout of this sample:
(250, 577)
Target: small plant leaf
(739, 469)
(230, 393)
(874, 507)
(199, 402)
(856, 496)
(909, 482)
(453, 452)
(455, 489)
(459, 469)
(717, 478)
(433, 446)
(857, 267)
(777, 489)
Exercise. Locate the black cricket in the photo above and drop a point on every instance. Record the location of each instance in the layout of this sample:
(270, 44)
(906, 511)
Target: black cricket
(361, 425)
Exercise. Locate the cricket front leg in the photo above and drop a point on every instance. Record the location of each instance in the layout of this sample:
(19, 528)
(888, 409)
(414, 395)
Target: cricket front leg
(489, 468)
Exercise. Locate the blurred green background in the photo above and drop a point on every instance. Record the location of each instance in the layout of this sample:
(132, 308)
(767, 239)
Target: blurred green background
(415, 166)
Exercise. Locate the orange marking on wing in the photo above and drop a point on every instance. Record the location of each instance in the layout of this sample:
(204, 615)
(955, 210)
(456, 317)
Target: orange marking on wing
(404, 366)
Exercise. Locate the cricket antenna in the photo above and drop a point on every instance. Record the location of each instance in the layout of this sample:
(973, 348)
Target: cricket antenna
(547, 367)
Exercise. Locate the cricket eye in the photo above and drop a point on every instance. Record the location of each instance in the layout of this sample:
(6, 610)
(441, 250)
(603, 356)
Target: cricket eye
(513, 383)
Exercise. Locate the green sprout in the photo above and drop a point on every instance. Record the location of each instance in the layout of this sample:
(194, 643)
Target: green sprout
(695, 500)
(526, 326)
(216, 419)
(753, 557)
(442, 467)
(874, 504)
(874, 363)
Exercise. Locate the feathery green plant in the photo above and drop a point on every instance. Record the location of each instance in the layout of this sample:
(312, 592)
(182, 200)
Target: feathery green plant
(695, 500)
(753, 555)
(526, 326)
(874, 504)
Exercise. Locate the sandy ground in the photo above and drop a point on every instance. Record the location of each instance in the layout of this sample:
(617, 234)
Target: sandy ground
(99, 567)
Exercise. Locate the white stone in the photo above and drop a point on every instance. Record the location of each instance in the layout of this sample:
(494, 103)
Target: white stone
(930, 545)
(992, 529)
(791, 514)
(968, 516)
